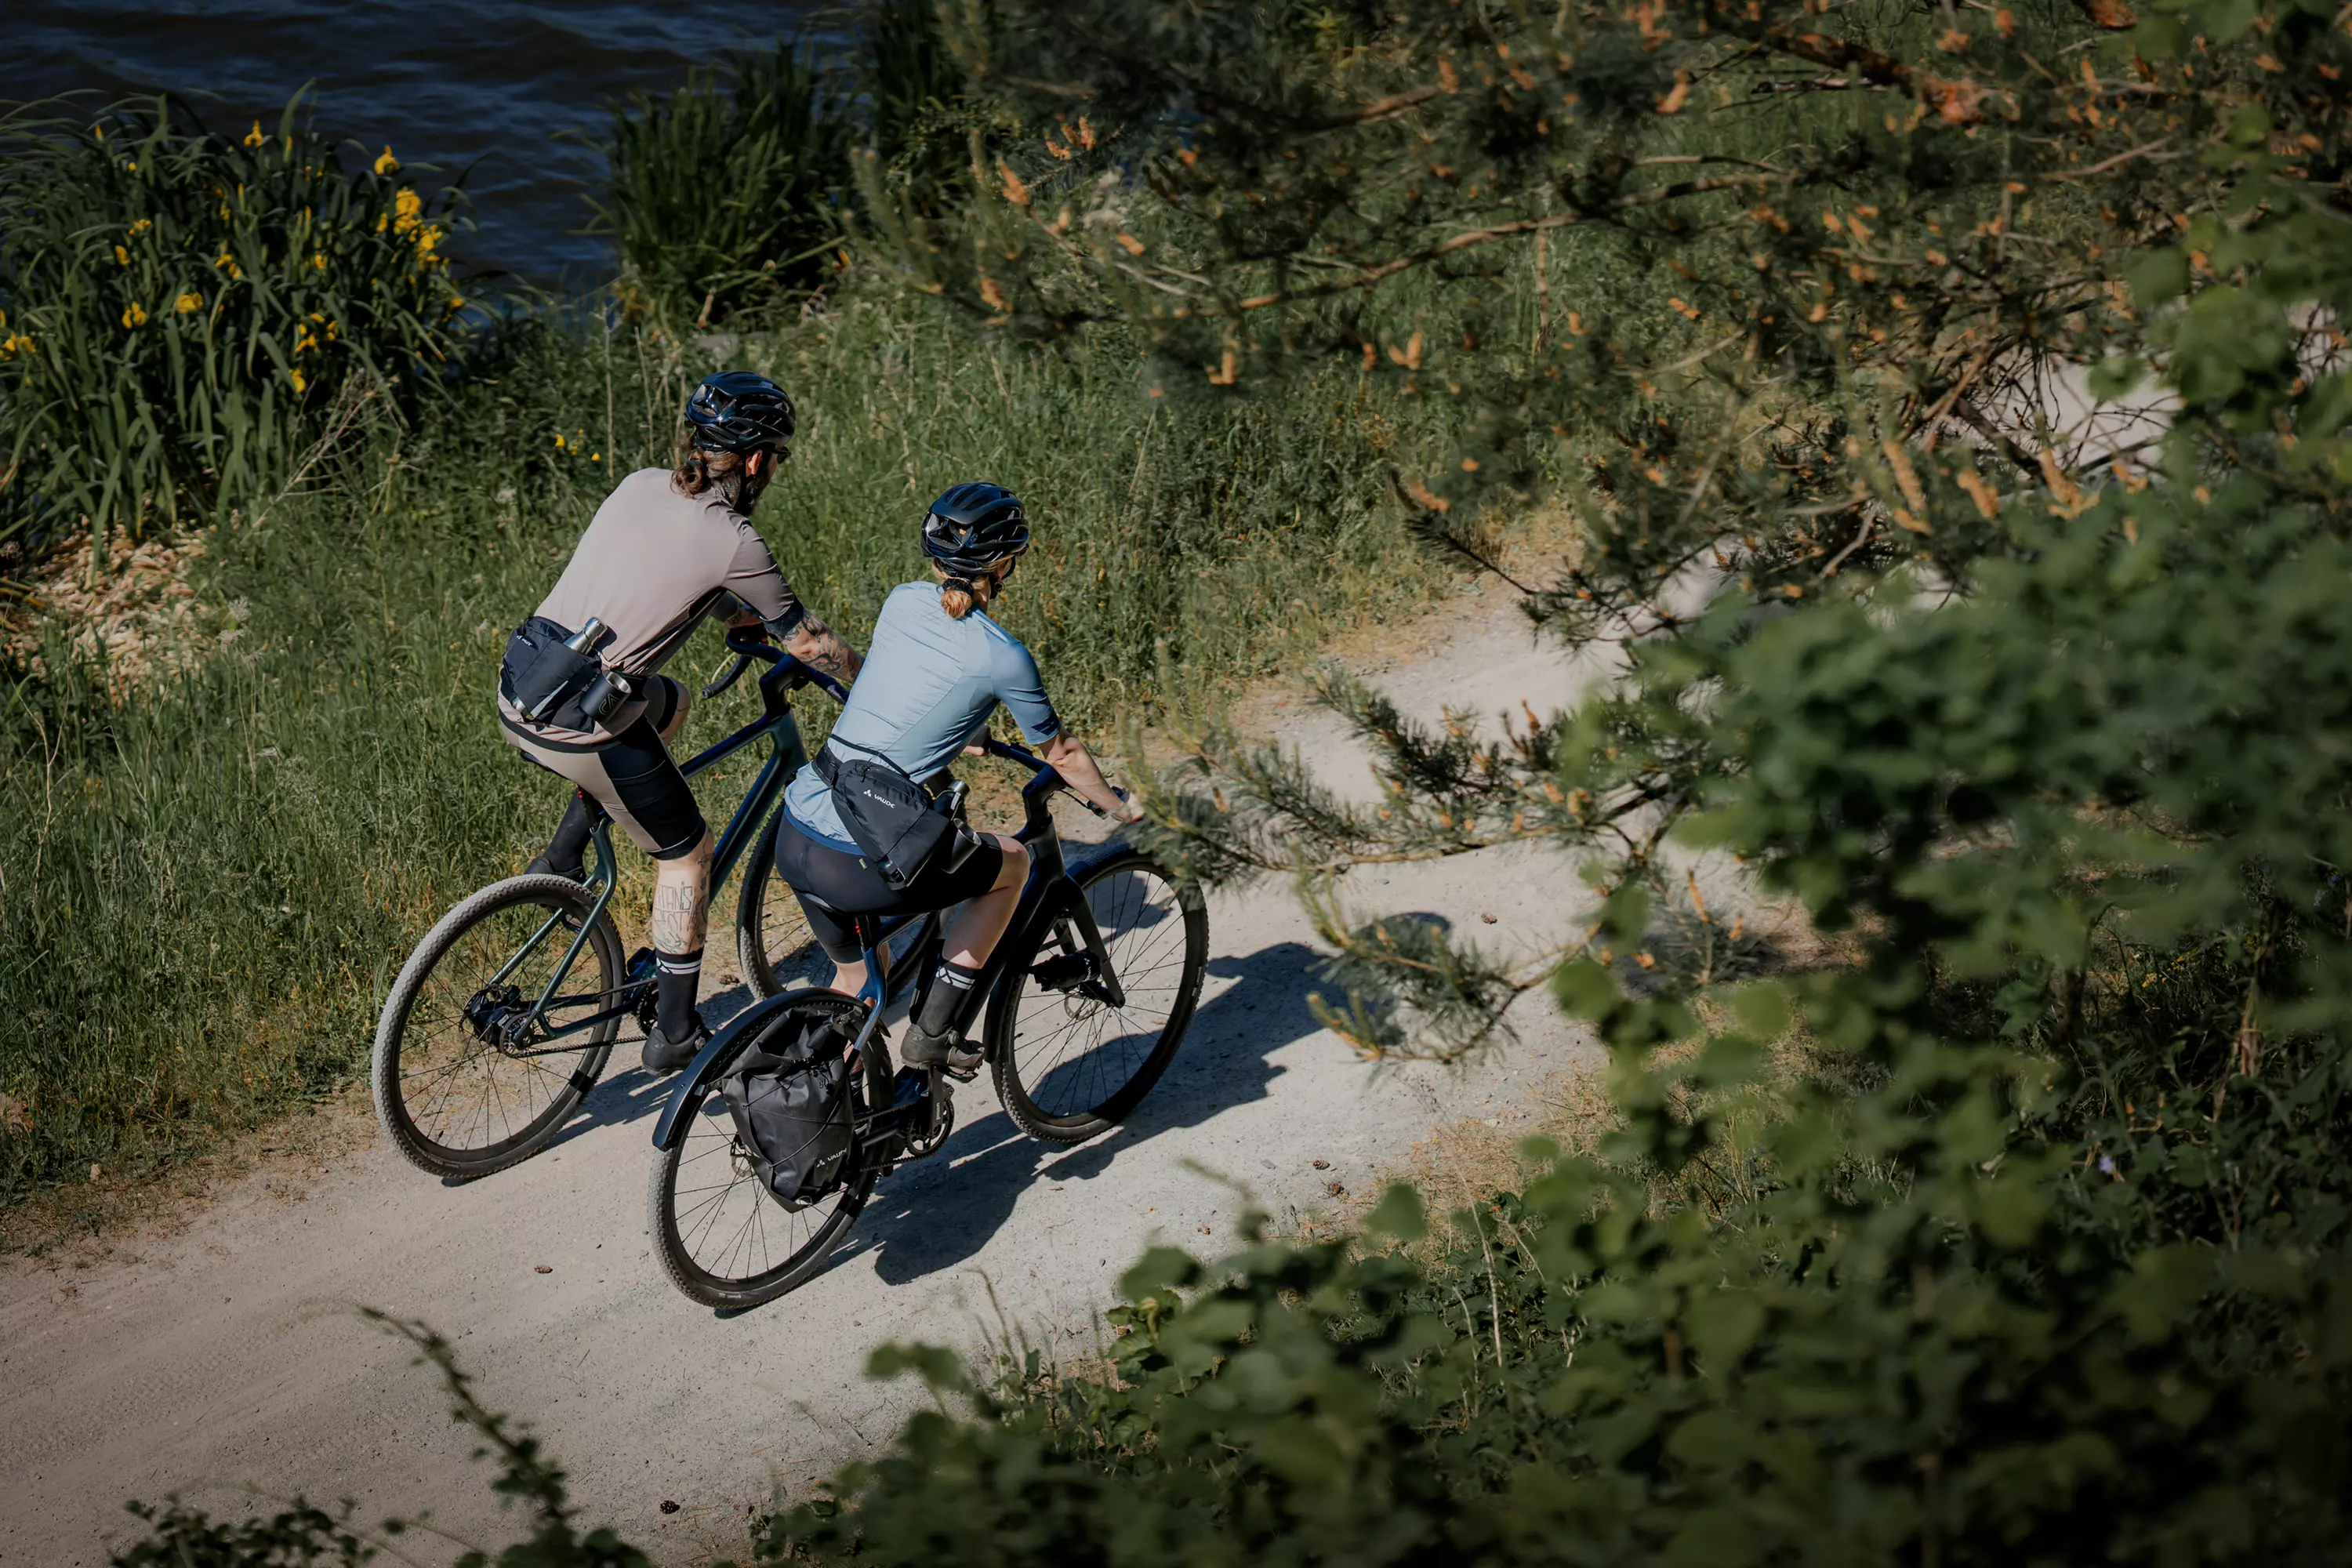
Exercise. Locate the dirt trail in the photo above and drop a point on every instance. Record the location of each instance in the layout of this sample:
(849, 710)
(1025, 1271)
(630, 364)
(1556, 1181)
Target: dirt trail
(226, 1356)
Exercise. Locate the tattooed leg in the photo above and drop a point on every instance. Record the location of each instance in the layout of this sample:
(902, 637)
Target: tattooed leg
(681, 911)
(682, 898)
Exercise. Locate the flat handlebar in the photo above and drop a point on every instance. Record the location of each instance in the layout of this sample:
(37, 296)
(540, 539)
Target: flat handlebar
(1044, 779)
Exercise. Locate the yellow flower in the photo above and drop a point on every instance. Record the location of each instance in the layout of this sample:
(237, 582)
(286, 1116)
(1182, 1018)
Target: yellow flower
(319, 260)
(427, 238)
(405, 206)
(142, 226)
(558, 439)
(135, 315)
(387, 164)
(456, 302)
(188, 302)
(132, 165)
(121, 255)
(296, 377)
(254, 138)
(595, 457)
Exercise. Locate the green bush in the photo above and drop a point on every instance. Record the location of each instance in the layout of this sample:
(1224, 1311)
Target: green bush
(728, 196)
(181, 305)
(723, 193)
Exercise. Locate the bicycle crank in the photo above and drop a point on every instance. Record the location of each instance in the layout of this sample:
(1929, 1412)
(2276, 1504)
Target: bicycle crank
(927, 1103)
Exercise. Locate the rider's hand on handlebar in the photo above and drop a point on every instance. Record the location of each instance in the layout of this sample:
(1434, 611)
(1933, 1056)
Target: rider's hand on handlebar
(746, 623)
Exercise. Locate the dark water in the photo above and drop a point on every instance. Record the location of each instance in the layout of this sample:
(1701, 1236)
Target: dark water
(503, 86)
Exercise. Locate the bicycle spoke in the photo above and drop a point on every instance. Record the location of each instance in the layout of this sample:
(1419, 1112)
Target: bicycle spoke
(1073, 1053)
(462, 1094)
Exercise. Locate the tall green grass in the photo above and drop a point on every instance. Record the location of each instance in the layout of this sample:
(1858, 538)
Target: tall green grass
(723, 194)
(206, 892)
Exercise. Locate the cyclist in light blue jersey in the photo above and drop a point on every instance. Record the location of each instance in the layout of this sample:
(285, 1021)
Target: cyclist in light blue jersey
(936, 668)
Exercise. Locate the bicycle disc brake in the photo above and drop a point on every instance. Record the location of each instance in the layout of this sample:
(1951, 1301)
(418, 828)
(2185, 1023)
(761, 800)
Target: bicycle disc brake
(1073, 975)
(497, 1015)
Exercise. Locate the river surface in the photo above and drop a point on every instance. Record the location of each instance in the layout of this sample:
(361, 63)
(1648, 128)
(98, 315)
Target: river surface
(518, 91)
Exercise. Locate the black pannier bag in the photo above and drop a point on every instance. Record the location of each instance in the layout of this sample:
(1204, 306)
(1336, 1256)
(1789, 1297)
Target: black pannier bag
(789, 1095)
(892, 819)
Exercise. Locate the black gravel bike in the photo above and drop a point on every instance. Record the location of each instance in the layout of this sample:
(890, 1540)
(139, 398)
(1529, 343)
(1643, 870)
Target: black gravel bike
(504, 1016)
(1089, 994)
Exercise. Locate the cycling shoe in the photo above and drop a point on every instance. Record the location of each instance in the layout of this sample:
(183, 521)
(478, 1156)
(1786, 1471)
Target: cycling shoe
(663, 1055)
(950, 1055)
(541, 867)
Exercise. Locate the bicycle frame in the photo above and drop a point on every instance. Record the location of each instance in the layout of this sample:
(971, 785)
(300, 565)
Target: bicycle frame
(786, 757)
(1050, 894)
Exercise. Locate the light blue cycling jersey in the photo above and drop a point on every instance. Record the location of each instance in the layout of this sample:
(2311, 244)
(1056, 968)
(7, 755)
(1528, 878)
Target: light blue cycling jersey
(928, 685)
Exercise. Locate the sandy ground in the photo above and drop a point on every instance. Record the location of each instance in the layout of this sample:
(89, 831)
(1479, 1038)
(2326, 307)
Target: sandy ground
(226, 1356)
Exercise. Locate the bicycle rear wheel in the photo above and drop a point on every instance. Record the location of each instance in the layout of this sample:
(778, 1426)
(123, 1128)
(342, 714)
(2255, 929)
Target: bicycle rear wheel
(723, 1238)
(1067, 1062)
(463, 1086)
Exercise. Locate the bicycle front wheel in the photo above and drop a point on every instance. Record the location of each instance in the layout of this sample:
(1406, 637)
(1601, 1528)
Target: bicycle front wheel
(466, 1081)
(723, 1238)
(1068, 1062)
(772, 939)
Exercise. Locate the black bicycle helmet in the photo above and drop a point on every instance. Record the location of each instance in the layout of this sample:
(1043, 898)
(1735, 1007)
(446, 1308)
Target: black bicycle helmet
(973, 526)
(736, 411)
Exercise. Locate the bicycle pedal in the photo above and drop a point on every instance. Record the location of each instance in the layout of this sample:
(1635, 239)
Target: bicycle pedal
(961, 1075)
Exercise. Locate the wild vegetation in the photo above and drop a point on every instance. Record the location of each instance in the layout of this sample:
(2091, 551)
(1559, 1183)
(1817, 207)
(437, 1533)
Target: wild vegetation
(2041, 1249)
(181, 309)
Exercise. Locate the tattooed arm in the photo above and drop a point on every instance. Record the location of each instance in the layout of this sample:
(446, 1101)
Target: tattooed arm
(821, 648)
(812, 642)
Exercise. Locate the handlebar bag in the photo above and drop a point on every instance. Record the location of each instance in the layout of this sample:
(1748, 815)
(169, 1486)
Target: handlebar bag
(902, 830)
(789, 1096)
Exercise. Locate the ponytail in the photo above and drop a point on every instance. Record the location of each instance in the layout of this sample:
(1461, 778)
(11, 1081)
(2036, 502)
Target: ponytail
(701, 470)
(963, 593)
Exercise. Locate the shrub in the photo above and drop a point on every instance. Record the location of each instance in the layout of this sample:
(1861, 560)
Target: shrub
(179, 306)
(723, 194)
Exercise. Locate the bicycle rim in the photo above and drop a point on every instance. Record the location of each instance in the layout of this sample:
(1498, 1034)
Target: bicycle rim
(458, 1095)
(722, 1237)
(1068, 1064)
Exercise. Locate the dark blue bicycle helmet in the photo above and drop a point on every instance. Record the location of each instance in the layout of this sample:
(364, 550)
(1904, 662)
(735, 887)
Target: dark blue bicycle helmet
(971, 527)
(736, 411)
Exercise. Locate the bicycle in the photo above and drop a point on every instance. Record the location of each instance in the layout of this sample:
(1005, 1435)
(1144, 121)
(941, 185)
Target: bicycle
(1101, 941)
(480, 1054)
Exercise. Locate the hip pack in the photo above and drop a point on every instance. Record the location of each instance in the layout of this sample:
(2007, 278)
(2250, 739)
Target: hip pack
(902, 830)
(552, 682)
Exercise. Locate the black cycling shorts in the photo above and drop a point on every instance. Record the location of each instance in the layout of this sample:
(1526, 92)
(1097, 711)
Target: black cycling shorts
(631, 775)
(843, 896)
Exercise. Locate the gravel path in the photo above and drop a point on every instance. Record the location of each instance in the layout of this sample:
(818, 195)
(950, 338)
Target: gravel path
(226, 1356)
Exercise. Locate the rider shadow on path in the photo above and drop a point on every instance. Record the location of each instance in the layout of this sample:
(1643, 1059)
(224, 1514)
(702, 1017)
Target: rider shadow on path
(942, 1210)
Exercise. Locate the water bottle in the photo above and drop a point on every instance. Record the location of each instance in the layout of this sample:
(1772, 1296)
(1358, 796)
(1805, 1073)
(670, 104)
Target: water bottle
(583, 641)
